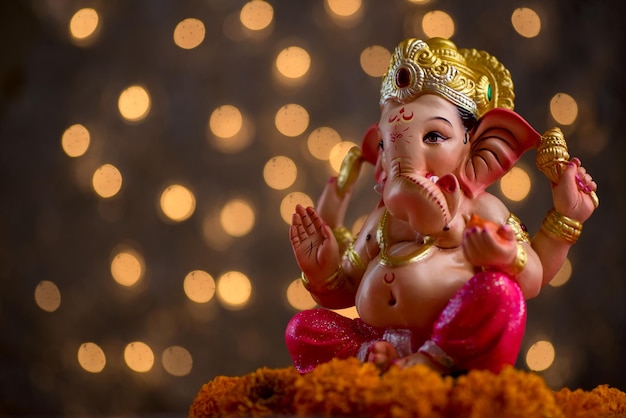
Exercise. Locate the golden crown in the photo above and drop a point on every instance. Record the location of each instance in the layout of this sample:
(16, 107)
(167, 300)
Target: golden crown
(471, 79)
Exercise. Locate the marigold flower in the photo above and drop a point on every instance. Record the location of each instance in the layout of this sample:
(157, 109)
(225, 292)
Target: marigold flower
(351, 388)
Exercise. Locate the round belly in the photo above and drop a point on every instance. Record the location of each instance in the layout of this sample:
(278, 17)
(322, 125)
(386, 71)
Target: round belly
(412, 295)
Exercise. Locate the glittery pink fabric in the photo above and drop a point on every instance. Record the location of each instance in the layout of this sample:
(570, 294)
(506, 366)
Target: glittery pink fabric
(481, 328)
(483, 324)
(319, 335)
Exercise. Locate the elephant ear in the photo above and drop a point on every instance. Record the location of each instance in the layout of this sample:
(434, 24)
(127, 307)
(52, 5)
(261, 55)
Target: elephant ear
(370, 150)
(497, 143)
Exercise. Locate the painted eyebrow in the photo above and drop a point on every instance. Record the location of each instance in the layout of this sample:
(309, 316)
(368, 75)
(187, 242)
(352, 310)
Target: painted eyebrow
(441, 118)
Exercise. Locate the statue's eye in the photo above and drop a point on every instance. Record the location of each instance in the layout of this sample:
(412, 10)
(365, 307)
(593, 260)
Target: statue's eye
(380, 144)
(434, 137)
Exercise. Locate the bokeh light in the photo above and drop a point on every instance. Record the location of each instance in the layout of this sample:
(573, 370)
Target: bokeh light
(226, 121)
(199, 286)
(321, 142)
(84, 24)
(47, 296)
(289, 202)
(293, 62)
(229, 130)
(177, 202)
(234, 290)
(438, 23)
(280, 172)
(563, 275)
(91, 357)
(338, 153)
(298, 297)
(540, 356)
(564, 108)
(177, 361)
(375, 60)
(107, 180)
(189, 33)
(127, 267)
(343, 8)
(526, 22)
(139, 357)
(292, 120)
(256, 15)
(237, 217)
(515, 185)
(134, 103)
(75, 140)
(351, 312)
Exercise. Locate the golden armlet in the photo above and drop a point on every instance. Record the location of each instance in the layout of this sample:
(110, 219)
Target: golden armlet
(349, 170)
(354, 258)
(520, 260)
(561, 227)
(521, 234)
(343, 235)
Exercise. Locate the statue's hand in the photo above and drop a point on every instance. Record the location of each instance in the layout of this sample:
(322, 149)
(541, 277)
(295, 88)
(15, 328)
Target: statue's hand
(487, 244)
(574, 195)
(314, 244)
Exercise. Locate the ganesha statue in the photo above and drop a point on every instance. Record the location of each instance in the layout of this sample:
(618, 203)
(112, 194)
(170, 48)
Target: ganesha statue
(441, 270)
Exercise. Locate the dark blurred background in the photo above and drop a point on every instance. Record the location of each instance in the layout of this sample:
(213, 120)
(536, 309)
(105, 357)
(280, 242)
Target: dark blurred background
(76, 339)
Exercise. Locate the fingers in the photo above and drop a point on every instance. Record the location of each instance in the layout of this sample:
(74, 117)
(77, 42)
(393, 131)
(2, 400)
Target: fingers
(306, 223)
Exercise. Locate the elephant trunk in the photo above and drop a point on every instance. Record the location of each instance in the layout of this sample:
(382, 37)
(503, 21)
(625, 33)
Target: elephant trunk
(426, 203)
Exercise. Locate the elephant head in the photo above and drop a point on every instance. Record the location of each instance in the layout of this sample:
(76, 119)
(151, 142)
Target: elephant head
(447, 131)
(428, 163)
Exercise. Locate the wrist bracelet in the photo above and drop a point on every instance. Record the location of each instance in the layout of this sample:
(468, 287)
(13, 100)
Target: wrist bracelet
(331, 283)
(561, 227)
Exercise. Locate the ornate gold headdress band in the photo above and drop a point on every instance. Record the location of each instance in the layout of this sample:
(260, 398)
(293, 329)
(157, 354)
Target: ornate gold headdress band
(471, 79)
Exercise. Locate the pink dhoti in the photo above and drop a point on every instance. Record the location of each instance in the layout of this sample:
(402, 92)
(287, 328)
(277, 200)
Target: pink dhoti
(481, 328)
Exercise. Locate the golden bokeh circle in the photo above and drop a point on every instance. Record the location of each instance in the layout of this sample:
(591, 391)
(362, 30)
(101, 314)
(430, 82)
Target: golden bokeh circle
(564, 108)
(177, 202)
(75, 140)
(234, 290)
(526, 22)
(280, 172)
(199, 286)
(237, 217)
(139, 357)
(189, 33)
(256, 15)
(47, 296)
(515, 185)
(438, 23)
(91, 357)
(107, 180)
(292, 120)
(540, 356)
(134, 103)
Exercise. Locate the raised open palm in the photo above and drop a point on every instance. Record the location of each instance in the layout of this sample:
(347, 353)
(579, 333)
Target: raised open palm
(314, 244)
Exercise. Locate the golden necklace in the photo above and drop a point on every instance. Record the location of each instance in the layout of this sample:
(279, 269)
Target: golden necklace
(388, 260)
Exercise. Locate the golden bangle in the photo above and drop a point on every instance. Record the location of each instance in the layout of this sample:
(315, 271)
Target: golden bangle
(343, 235)
(354, 258)
(520, 260)
(331, 283)
(561, 227)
